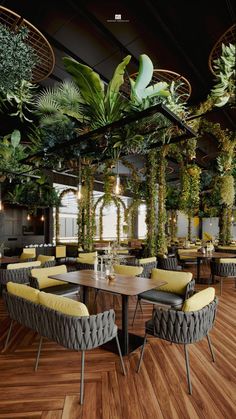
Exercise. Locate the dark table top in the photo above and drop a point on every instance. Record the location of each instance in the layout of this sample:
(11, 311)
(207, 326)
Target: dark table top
(9, 259)
(122, 284)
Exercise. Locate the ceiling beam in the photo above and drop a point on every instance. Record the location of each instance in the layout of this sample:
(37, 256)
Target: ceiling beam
(58, 45)
(102, 29)
(151, 7)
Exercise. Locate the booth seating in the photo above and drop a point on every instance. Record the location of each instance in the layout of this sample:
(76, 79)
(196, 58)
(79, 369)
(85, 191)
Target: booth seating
(186, 326)
(17, 272)
(46, 261)
(39, 279)
(28, 253)
(62, 320)
(179, 287)
(223, 268)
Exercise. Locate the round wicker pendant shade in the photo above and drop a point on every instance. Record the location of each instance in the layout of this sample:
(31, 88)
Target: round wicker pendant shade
(228, 37)
(35, 39)
(183, 87)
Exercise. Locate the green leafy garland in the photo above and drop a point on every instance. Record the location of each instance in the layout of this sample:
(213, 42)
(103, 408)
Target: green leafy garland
(57, 215)
(225, 181)
(151, 201)
(190, 193)
(161, 242)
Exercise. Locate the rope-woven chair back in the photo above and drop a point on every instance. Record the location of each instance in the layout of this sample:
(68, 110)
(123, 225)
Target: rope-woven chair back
(184, 327)
(223, 269)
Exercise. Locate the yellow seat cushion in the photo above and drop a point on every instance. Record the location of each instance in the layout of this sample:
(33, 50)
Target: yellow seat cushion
(24, 256)
(23, 265)
(90, 255)
(182, 253)
(227, 260)
(88, 260)
(122, 252)
(45, 258)
(23, 291)
(128, 270)
(60, 251)
(28, 251)
(147, 260)
(199, 300)
(231, 247)
(42, 276)
(176, 281)
(63, 304)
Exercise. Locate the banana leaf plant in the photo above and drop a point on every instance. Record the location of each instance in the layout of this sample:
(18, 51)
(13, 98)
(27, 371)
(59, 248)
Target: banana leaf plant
(102, 104)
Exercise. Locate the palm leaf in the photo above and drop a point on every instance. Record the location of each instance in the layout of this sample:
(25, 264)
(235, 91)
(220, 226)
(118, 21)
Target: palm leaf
(86, 79)
(117, 79)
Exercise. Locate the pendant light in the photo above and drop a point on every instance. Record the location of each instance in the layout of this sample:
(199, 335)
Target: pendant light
(79, 186)
(117, 188)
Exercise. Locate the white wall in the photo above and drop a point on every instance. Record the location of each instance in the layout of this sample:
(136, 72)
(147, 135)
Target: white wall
(182, 225)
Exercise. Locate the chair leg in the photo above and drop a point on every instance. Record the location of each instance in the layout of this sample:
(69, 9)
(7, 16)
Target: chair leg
(136, 308)
(82, 379)
(221, 286)
(188, 369)
(140, 305)
(135, 311)
(211, 348)
(142, 352)
(38, 354)
(120, 354)
(8, 336)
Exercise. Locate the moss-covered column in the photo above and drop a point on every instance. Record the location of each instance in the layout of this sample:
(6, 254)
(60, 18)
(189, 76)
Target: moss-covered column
(151, 202)
(161, 241)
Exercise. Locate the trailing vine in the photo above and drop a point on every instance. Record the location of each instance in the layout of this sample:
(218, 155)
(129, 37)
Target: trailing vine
(225, 181)
(57, 215)
(161, 243)
(151, 201)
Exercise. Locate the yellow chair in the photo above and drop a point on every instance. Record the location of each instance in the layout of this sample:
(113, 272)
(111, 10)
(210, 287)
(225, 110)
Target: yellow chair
(40, 280)
(24, 265)
(46, 260)
(60, 252)
(179, 286)
(28, 253)
(128, 270)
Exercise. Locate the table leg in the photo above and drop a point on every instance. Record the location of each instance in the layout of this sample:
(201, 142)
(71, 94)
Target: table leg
(198, 268)
(85, 295)
(125, 333)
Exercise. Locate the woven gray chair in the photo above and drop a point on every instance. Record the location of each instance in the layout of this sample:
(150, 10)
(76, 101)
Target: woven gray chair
(164, 298)
(181, 327)
(20, 276)
(169, 264)
(223, 271)
(75, 333)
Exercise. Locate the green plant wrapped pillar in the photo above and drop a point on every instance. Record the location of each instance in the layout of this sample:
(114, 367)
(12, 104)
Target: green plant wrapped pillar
(151, 201)
(161, 242)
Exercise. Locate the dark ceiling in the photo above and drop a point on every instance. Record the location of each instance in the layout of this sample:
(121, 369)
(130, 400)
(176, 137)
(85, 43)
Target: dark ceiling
(177, 35)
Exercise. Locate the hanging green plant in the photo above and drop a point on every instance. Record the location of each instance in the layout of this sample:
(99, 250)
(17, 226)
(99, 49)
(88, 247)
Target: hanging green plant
(18, 58)
(35, 194)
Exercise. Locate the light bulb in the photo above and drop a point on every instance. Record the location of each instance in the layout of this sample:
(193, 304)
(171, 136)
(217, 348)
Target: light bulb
(42, 218)
(1, 206)
(79, 191)
(174, 220)
(117, 186)
(28, 217)
(232, 218)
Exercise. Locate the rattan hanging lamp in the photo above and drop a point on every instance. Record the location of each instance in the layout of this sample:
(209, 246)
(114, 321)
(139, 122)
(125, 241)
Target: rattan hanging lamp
(183, 86)
(35, 39)
(228, 37)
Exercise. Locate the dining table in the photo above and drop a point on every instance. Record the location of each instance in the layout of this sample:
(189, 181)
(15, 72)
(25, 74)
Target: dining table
(5, 260)
(124, 285)
(212, 255)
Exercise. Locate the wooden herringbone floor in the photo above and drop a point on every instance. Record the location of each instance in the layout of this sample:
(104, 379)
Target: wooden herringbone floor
(158, 391)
